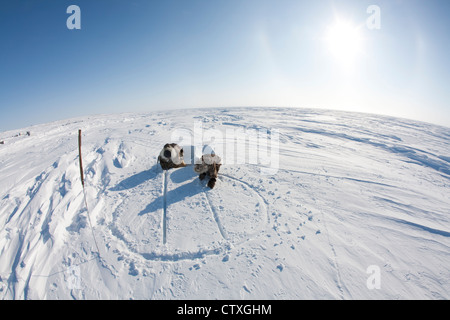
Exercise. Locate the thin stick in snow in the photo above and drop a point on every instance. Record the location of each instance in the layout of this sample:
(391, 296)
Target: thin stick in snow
(84, 191)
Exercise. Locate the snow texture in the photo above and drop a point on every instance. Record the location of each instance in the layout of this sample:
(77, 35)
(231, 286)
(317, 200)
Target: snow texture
(350, 191)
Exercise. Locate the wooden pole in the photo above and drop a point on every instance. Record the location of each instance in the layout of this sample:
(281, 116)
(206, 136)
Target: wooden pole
(84, 192)
(81, 161)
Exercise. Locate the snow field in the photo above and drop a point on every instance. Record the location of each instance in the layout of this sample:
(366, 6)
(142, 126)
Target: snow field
(348, 191)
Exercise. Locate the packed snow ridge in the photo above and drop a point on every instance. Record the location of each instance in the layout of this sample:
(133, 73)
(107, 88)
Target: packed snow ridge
(308, 204)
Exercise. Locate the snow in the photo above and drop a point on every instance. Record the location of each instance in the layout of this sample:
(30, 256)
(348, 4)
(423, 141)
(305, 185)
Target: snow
(305, 206)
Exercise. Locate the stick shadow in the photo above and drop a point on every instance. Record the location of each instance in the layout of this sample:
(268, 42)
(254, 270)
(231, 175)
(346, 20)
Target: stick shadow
(173, 196)
(138, 179)
(180, 193)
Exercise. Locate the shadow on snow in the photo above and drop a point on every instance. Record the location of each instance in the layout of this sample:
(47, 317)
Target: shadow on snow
(176, 176)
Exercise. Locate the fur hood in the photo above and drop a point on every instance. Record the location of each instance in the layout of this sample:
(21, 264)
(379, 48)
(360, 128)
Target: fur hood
(207, 160)
(171, 156)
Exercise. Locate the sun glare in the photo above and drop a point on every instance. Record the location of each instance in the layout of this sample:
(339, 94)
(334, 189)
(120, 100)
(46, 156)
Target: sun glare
(344, 41)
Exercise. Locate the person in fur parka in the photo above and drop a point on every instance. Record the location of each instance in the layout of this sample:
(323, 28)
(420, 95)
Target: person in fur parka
(209, 166)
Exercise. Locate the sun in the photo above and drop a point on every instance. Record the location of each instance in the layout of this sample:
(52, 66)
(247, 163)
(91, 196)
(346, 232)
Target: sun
(344, 41)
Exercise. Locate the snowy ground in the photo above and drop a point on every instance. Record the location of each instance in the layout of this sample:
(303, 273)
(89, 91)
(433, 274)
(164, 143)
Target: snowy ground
(340, 195)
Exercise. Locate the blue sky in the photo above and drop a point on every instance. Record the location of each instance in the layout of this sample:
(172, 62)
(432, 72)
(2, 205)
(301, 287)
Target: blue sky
(146, 55)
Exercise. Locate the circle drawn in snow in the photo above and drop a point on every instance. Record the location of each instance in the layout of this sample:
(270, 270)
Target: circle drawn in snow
(240, 211)
(198, 221)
